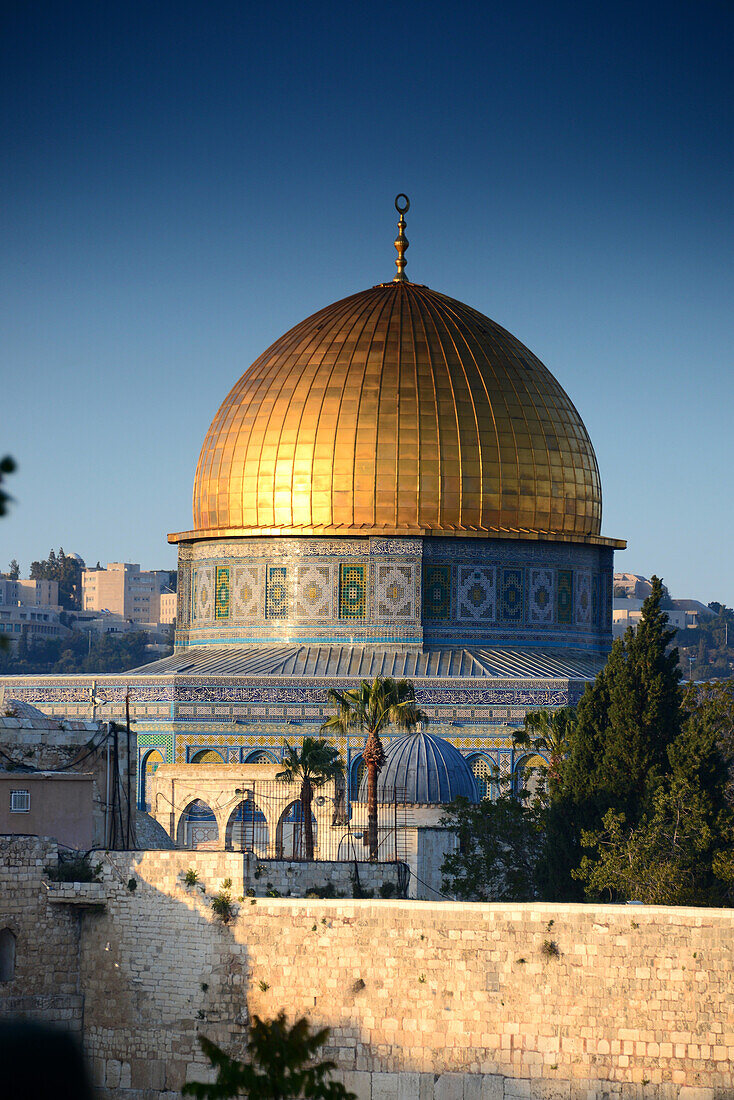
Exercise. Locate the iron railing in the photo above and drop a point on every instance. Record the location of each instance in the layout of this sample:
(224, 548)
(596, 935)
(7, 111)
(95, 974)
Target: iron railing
(265, 819)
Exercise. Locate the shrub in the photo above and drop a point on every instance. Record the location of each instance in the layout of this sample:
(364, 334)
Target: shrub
(191, 877)
(222, 902)
(74, 868)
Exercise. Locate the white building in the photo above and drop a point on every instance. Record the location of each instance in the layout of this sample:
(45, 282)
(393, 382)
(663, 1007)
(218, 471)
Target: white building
(29, 593)
(123, 589)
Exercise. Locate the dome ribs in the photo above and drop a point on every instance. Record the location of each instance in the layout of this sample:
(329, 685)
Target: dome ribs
(360, 474)
(398, 410)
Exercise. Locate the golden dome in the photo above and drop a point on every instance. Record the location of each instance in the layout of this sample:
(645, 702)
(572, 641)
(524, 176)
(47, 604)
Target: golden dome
(397, 411)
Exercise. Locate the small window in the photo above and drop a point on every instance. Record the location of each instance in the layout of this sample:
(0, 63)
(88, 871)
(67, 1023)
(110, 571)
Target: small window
(20, 802)
(7, 955)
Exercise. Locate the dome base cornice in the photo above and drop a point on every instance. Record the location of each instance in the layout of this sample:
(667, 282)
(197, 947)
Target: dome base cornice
(207, 534)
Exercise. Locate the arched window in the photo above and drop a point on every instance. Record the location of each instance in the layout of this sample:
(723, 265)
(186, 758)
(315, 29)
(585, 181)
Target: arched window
(207, 756)
(358, 770)
(259, 756)
(528, 773)
(151, 760)
(7, 955)
(485, 774)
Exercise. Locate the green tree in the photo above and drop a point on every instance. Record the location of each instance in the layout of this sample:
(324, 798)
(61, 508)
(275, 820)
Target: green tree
(547, 732)
(281, 1064)
(66, 571)
(499, 848)
(681, 850)
(7, 466)
(372, 708)
(618, 747)
(315, 764)
(14, 570)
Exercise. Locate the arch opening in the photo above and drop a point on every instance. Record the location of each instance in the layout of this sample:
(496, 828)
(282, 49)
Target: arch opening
(197, 826)
(355, 777)
(148, 767)
(290, 834)
(260, 756)
(207, 756)
(530, 773)
(247, 829)
(485, 773)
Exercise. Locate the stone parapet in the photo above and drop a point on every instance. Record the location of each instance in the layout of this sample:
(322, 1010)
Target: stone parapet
(425, 1001)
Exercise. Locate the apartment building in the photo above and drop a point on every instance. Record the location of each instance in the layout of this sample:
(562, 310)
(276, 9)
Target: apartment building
(125, 590)
(27, 593)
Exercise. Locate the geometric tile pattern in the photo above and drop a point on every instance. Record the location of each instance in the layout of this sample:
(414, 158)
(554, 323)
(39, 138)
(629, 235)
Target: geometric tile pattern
(511, 596)
(582, 598)
(221, 592)
(276, 593)
(476, 594)
(485, 773)
(203, 601)
(564, 597)
(541, 595)
(313, 596)
(540, 591)
(247, 583)
(437, 592)
(595, 603)
(352, 592)
(395, 591)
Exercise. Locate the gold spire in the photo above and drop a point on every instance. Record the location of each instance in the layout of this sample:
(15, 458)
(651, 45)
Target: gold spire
(401, 241)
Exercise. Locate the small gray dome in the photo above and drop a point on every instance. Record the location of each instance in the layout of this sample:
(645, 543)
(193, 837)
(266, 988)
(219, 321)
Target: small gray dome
(423, 768)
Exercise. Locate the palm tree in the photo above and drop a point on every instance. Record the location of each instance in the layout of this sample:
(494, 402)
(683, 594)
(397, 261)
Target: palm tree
(314, 765)
(547, 731)
(371, 708)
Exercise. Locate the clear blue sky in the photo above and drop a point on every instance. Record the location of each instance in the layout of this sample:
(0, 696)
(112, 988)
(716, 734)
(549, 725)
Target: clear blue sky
(182, 182)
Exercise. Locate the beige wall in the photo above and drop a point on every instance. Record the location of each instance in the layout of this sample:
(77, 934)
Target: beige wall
(49, 744)
(125, 590)
(60, 806)
(167, 611)
(426, 1001)
(38, 593)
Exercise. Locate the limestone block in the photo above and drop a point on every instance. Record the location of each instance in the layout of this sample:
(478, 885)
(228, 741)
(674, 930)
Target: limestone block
(198, 1071)
(449, 1086)
(385, 1086)
(551, 1090)
(517, 1087)
(112, 1073)
(493, 1087)
(690, 1092)
(409, 1086)
(358, 1083)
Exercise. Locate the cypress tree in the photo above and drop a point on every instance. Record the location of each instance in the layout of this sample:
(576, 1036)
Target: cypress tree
(618, 748)
(629, 717)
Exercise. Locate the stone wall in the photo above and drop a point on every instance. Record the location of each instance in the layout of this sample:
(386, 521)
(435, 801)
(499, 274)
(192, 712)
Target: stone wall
(46, 981)
(38, 741)
(425, 1001)
(249, 874)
